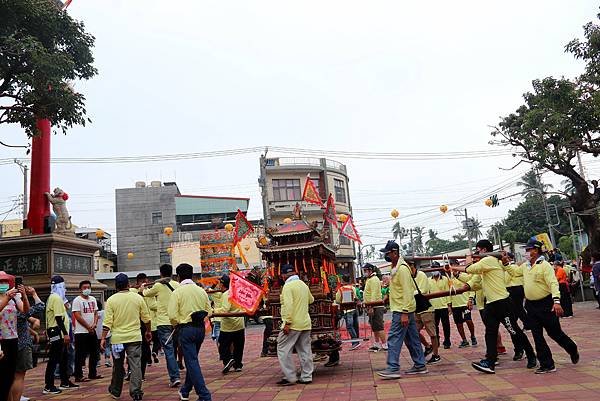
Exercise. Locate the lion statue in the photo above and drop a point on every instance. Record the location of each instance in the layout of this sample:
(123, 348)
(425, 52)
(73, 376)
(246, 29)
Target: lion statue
(58, 199)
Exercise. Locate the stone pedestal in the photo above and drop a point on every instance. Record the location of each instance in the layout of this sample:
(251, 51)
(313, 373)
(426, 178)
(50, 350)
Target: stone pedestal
(38, 257)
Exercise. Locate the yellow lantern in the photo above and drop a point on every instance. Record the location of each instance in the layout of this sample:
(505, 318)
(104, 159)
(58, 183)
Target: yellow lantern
(287, 220)
(395, 213)
(229, 227)
(169, 250)
(168, 231)
(99, 233)
(263, 240)
(130, 255)
(342, 217)
(489, 202)
(443, 208)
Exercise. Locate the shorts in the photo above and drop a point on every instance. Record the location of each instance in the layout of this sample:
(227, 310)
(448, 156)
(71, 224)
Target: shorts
(24, 360)
(461, 314)
(376, 320)
(426, 321)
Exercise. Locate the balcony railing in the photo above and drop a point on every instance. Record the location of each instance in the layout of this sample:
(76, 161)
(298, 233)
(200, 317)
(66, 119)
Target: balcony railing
(305, 161)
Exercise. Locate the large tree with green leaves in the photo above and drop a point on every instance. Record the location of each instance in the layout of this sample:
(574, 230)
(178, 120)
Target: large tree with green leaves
(42, 50)
(559, 118)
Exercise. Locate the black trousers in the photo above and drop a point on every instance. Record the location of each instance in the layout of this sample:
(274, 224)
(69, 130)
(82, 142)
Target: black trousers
(565, 299)
(498, 312)
(146, 353)
(57, 355)
(155, 342)
(541, 317)
(7, 366)
(235, 339)
(86, 344)
(442, 315)
(517, 297)
(267, 333)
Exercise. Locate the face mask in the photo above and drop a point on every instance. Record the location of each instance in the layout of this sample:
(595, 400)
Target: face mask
(4, 288)
(387, 258)
(86, 292)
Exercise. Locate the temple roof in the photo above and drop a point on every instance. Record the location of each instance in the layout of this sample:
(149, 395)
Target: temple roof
(294, 247)
(294, 228)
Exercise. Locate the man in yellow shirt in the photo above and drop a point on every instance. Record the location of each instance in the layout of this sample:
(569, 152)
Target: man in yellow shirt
(404, 326)
(188, 307)
(498, 309)
(542, 301)
(162, 290)
(461, 314)
(426, 320)
(514, 286)
(295, 331)
(123, 313)
(372, 293)
(442, 306)
(233, 333)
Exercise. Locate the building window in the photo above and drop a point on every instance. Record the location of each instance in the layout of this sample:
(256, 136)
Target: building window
(286, 190)
(340, 191)
(165, 257)
(156, 218)
(345, 240)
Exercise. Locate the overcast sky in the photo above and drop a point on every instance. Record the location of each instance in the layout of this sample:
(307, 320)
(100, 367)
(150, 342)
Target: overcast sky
(393, 76)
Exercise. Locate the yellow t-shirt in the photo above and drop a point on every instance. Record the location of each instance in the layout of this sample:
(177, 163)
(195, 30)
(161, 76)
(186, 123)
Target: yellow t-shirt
(474, 281)
(539, 280)
(151, 304)
(185, 300)
(216, 297)
(372, 292)
(230, 324)
(492, 278)
(55, 307)
(402, 289)
(441, 284)
(567, 270)
(122, 316)
(460, 300)
(512, 281)
(295, 298)
(423, 282)
(163, 295)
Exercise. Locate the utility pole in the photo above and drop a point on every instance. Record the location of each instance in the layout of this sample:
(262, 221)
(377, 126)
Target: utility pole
(467, 229)
(412, 244)
(546, 211)
(25, 170)
(570, 210)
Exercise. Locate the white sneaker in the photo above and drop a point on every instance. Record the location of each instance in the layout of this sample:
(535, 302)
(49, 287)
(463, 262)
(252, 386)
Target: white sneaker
(23, 398)
(384, 347)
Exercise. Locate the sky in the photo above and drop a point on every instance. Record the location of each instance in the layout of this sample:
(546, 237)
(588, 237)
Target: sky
(385, 76)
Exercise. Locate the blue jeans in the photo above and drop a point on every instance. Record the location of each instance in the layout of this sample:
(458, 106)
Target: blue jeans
(216, 330)
(190, 340)
(396, 339)
(163, 334)
(351, 319)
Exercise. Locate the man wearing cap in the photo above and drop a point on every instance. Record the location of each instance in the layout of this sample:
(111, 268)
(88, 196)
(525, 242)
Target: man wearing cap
(57, 328)
(426, 320)
(498, 309)
(295, 330)
(373, 293)
(542, 302)
(188, 307)
(442, 305)
(123, 313)
(403, 306)
(233, 334)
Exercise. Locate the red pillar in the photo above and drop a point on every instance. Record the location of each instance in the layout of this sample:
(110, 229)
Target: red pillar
(39, 207)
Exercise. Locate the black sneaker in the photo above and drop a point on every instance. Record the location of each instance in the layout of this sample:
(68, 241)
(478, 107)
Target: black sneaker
(575, 358)
(428, 350)
(180, 365)
(434, 359)
(464, 344)
(68, 386)
(446, 346)
(484, 366)
(51, 390)
(531, 362)
(473, 341)
(228, 366)
(155, 357)
(541, 371)
(519, 356)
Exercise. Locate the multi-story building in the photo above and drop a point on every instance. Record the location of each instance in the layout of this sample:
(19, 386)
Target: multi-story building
(282, 181)
(105, 260)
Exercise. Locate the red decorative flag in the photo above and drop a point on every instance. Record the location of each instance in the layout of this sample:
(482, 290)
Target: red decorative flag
(329, 214)
(310, 194)
(66, 4)
(349, 231)
(242, 227)
(244, 293)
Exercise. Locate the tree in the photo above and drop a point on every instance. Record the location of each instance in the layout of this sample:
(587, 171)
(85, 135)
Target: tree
(532, 184)
(473, 229)
(42, 49)
(558, 119)
(418, 240)
(398, 232)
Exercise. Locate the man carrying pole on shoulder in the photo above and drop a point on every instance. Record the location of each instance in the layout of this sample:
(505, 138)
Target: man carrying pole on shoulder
(373, 293)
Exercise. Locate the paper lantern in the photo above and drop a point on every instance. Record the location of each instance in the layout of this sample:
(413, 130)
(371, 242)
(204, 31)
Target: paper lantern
(229, 227)
(287, 220)
(395, 213)
(168, 231)
(263, 240)
(342, 217)
(489, 202)
(169, 250)
(99, 233)
(443, 208)
(130, 255)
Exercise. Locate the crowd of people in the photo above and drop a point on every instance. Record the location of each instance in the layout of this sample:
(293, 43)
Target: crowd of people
(140, 320)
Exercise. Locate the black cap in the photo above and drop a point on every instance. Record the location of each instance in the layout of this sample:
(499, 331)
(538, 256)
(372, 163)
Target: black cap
(121, 280)
(368, 266)
(57, 279)
(485, 244)
(390, 246)
(534, 244)
(224, 280)
(287, 269)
